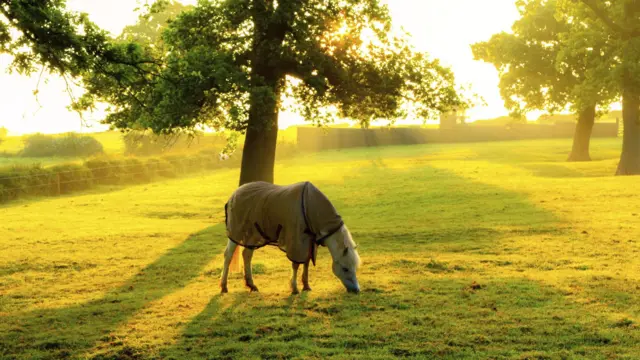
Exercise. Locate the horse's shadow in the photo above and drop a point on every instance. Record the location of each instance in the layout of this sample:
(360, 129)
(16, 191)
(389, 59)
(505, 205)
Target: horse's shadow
(67, 332)
(241, 325)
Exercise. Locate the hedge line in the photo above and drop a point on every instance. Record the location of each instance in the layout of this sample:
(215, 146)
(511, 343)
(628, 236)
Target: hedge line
(22, 181)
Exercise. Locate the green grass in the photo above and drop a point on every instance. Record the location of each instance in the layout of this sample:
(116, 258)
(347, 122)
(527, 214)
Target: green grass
(475, 251)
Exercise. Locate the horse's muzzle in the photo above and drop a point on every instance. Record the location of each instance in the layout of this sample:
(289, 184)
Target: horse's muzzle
(353, 288)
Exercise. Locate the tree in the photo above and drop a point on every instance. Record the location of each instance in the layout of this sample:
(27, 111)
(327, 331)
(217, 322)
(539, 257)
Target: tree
(43, 33)
(543, 66)
(624, 32)
(148, 30)
(3, 134)
(228, 64)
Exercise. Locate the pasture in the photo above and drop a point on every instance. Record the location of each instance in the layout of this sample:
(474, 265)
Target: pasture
(113, 145)
(470, 251)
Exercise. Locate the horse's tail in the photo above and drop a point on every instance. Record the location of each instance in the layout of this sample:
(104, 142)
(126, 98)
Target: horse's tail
(234, 266)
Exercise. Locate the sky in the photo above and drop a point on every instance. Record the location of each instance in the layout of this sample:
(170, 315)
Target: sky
(443, 28)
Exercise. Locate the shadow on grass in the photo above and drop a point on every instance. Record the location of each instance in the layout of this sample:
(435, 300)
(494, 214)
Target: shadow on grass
(423, 318)
(414, 209)
(67, 332)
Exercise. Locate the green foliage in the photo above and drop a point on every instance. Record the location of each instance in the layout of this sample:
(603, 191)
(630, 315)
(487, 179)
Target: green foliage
(39, 145)
(213, 72)
(134, 170)
(29, 181)
(70, 144)
(148, 29)
(551, 62)
(73, 177)
(19, 181)
(162, 167)
(44, 33)
(142, 143)
(104, 170)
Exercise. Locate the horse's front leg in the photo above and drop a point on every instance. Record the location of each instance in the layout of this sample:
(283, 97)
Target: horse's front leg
(294, 278)
(247, 254)
(305, 277)
(228, 254)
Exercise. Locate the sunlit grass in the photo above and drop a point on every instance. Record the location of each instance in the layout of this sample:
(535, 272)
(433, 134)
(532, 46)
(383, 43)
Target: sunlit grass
(492, 250)
(111, 141)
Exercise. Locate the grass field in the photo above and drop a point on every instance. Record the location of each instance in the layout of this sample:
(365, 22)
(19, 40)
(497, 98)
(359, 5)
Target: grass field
(475, 251)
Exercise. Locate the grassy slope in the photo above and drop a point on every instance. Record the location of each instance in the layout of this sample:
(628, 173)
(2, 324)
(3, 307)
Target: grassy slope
(497, 250)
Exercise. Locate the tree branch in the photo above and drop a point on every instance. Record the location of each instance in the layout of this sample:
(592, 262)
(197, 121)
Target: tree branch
(327, 69)
(604, 17)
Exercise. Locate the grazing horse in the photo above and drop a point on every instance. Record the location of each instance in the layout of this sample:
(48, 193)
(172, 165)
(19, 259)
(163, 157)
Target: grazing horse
(298, 219)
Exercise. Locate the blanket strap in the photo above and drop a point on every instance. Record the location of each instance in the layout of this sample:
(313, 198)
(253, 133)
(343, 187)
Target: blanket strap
(264, 235)
(316, 242)
(322, 239)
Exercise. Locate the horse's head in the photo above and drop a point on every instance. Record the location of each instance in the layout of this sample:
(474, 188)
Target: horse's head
(345, 258)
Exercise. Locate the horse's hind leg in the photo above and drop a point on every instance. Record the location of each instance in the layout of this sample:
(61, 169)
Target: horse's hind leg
(228, 254)
(305, 277)
(247, 254)
(294, 278)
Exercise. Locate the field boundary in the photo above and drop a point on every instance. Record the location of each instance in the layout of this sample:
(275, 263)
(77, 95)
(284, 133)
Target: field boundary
(21, 182)
(319, 139)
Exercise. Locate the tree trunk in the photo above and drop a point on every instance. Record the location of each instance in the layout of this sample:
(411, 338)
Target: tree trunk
(259, 152)
(582, 135)
(630, 158)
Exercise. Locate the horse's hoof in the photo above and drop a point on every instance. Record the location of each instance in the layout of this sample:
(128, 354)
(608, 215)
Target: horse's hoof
(252, 288)
(306, 288)
(224, 290)
(295, 292)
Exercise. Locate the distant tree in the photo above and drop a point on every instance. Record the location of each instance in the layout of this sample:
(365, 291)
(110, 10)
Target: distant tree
(620, 22)
(69, 144)
(3, 134)
(228, 64)
(542, 68)
(151, 24)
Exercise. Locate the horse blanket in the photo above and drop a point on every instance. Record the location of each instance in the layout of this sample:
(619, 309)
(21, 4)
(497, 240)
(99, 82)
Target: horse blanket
(290, 217)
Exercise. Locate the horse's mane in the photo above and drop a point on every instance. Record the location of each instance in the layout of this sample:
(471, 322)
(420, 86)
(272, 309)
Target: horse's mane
(352, 257)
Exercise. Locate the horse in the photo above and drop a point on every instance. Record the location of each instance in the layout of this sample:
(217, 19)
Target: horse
(297, 218)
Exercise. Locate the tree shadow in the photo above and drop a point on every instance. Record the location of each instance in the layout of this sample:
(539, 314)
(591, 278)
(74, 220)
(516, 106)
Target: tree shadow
(568, 170)
(67, 332)
(446, 317)
(452, 216)
(458, 214)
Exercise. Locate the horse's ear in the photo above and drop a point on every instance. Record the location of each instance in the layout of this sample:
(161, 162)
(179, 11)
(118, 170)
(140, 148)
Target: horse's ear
(345, 252)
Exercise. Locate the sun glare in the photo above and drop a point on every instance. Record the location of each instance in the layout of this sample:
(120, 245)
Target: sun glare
(437, 27)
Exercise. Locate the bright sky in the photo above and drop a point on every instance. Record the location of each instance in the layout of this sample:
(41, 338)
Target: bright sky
(445, 29)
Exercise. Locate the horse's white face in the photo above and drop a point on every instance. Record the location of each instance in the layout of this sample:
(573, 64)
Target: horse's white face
(345, 259)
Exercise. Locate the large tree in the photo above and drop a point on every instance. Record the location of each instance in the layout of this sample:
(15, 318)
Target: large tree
(620, 21)
(228, 63)
(542, 66)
